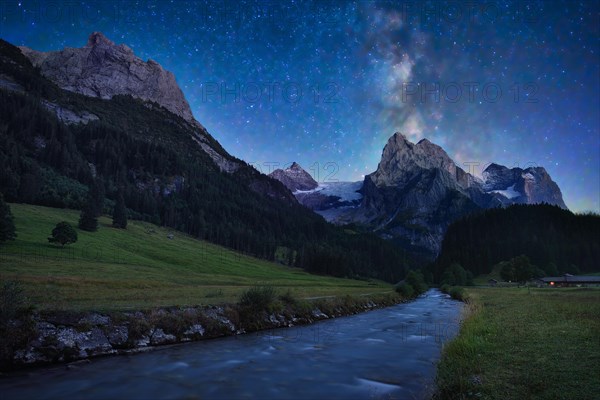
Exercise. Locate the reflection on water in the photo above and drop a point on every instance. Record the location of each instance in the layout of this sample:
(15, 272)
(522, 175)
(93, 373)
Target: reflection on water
(388, 353)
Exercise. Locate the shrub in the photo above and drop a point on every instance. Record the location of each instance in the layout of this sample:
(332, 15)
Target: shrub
(405, 290)
(172, 323)
(417, 281)
(258, 297)
(455, 274)
(138, 327)
(458, 293)
(288, 298)
(7, 225)
(303, 308)
(16, 323)
(232, 315)
(12, 301)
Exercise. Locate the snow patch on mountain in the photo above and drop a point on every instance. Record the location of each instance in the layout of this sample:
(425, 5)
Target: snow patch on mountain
(509, 192)
(346, 191)
(528, 177)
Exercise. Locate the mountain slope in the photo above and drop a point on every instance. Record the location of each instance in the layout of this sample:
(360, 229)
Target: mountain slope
(295, 178)
(140, 267)
(104, 70)
(54, 143)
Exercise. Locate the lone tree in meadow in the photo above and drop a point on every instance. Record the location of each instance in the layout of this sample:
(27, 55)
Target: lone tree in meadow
(7, 225)
(120, 212)
(63, 233)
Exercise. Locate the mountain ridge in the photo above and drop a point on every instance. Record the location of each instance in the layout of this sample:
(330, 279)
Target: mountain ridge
(417, 191)
(104, 69)
(159, 162)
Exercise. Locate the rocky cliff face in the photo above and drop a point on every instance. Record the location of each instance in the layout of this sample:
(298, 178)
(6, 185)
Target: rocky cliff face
(414, 194)
(295, 178)
(532, 185)
(401, 160)
(103, 69)
(417, 191)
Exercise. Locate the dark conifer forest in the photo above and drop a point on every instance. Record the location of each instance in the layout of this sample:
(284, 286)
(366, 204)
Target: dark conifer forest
(554, 239)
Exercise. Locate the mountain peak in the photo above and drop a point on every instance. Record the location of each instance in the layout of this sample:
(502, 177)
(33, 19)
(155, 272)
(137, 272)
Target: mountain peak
(494, 167)
(103, 69)
(98, 38)
(531, 185)
(420, 185)
(399, 138)
(295, 178)
(401, 159)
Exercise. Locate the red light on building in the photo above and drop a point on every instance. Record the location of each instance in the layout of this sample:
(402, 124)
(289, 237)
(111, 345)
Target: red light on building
(551, 283)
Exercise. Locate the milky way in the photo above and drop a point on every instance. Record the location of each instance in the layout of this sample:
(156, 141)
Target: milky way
(326, 83)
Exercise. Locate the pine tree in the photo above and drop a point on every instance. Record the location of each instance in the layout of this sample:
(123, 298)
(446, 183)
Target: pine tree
(7, 225)
(97, 196)
(87, 219)
(92, 209)
(120, 212)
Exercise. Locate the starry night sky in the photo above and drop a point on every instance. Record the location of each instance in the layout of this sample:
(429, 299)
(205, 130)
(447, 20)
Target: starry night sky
(326, 83)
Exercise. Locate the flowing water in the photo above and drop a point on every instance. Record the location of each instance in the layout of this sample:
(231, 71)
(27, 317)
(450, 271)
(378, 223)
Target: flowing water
(383, 354)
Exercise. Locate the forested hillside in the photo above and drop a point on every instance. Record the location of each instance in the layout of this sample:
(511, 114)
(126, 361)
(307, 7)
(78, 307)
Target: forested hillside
(554, 239)
(151, 155)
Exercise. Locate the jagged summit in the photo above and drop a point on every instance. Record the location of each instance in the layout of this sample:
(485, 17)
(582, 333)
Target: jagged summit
(295, 178)
(104, 69)
(418, 190)
(531, 185)
(401, 159)
(98, 38)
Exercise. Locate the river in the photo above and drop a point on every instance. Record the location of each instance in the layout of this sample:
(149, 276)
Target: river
(388, 353)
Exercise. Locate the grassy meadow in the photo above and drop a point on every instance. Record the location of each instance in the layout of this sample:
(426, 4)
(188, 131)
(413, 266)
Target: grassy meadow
(525, 343)
(140, 267)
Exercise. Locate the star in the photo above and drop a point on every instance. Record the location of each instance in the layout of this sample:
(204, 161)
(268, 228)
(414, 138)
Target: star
(344, 64)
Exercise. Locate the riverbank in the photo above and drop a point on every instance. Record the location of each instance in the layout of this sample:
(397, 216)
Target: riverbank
(49, 337)
(389, 353)
(519, 343)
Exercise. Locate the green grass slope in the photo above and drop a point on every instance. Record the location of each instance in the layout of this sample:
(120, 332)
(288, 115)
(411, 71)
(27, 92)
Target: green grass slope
(141, 267)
